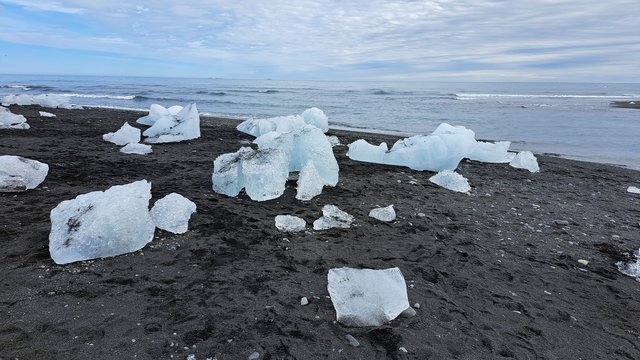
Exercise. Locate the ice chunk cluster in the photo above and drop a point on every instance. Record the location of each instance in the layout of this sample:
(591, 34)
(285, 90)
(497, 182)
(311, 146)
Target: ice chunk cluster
(185, 125)
(135, 148)
(333, 217)
(158, 111)
(125, 135)
(9, 120)
(262, 173)
(19, 174)
(383, 214)
(451, 180)
(443, 149)
(172, 213)
(365, 297)
(290, 223)
(102, 223)
(631, 268)
(44, 100)
(525, 160)
(258, 127)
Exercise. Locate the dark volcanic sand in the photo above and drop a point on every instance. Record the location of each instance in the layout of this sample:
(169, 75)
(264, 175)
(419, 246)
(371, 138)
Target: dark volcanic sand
(494, 277)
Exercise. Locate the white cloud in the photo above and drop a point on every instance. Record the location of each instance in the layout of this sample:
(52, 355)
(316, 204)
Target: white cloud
(44, 6)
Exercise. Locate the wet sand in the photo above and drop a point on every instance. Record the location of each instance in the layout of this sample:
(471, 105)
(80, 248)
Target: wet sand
(494, 274)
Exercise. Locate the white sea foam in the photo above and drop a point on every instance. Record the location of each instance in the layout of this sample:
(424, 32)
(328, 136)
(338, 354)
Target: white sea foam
(98, 96)
(472, 96)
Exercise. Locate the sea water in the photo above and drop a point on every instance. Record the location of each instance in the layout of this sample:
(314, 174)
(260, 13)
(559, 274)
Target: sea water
(574, 120)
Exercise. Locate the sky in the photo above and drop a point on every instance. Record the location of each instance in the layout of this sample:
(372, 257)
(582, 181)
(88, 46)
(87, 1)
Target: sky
(441, 40)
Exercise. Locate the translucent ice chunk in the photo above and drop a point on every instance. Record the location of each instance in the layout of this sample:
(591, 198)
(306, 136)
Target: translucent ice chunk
(9, 120)
(102, 223)
(258, 127)
(489, 152)
(383, 213)
(19, 174)
(631, 268)
(172, 213)
(290, 223)
(332, 217)
(126, 134)
(317, 118)
(365, 297)
(136, 148)
(185, 125)
(156, 112)
(525, 160)
(451, 180)
(310, 183)
(227, 175)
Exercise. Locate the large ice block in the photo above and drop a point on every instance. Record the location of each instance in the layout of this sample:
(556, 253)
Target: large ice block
(489, 152)
(19, 174)
(44, 100)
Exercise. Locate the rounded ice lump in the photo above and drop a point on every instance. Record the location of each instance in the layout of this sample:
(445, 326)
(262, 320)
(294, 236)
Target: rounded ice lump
(172, 213)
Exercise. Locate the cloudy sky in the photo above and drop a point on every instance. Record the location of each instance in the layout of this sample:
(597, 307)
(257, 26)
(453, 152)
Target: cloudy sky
(499, 40)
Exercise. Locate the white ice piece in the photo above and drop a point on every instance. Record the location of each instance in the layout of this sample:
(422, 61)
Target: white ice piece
(451, 180)
(9, 120)
(19, 174)
(333, 217)
(44, 100)
(310, 183)
(525, 160)
(158, 111)
(366, 297)
(489, 152)
(136, 148)
(172, 213)
(258, 127)
(633, 190)
(631, 268)
(317, 118)
(185, 125)
(125, 135)
(290, 223)
(46, 114)
(333, 140)
(102, 223)
(383, 214)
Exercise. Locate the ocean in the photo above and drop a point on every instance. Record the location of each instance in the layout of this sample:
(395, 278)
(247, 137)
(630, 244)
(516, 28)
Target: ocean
(572, 120)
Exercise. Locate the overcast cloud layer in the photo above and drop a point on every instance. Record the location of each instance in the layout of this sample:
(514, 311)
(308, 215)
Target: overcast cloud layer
(587, 40)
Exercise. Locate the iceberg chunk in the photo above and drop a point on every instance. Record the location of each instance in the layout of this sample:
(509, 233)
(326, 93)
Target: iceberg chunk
(102, 223)
(317, 118)
(9, 120)
(525, 160)
(365, 297)
(19, 174)
(451, 180)
(489, 152)
(631, 268)
(258, 127)
(158, 111)
(310, 183)
(332, 217)
(290, 223)
(44, 100)
(185, 125)
(172, 213)
(126, 134)
(135, 148)
(383, 214)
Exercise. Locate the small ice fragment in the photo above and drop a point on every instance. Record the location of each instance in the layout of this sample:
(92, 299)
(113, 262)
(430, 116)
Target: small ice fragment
(304, 301)
(46, 114)
(631, 268)
(18, 174)
(383, 214)
(136, 148)
(366, 297)
(9, 120)
(310, 183)
(126, 134)
(583, 262)
(633, 190)
(525, 160)
(352, 341)
(290, 223)
(332, 217)
(254, 356)
(451, 180)
(172, 213)
(333, 140)
(403, 349)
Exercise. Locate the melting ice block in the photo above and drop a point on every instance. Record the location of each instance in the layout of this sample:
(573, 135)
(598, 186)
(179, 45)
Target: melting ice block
(158, 111)
(631, 268)
(310, 183)
(126, 134)
(135, 148)
(489, 152)
(19, 174)
(451, 180)
(383, 214)
(258, 127)
(185, 125)
(172, 213)
(365, 297)
(525, 160)
(290, 223)
(102, 223)
(9, 120)
(44, 100)
(332, 217)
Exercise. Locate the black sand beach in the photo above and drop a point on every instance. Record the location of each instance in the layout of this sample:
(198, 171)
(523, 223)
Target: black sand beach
(494, 274)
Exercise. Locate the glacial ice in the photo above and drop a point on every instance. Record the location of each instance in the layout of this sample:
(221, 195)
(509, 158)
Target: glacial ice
(136, 148)
(19, 174)
(301, 146)
(366, 297)
(258, 127)
(263, 173)
(172, 213)
(290, 223)
(46, 114)
(44, 100)
(631, 268)
(451, 180)
(9, 120)
(333, 217)
(633, 190)
(102, 223)
(185, 125)
(310, 183)
(525, 160)
(489, 152)
(158, 111)
(126, 134)
(333, 140)
(383, 214)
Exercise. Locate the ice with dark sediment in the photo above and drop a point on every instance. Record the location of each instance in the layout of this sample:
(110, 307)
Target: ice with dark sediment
(172, 213)
(451, 180)
(310, 183)
(136, 148)
(158, 111)
(185, 125)
(19, 174)
(102, 223)
(9, 120)
(525, 160)
(258, 127)
(631, 268)
(290, 223)
(125, 135)
(367, 297)
(385, 214)
(44, 100)
(333, 217)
